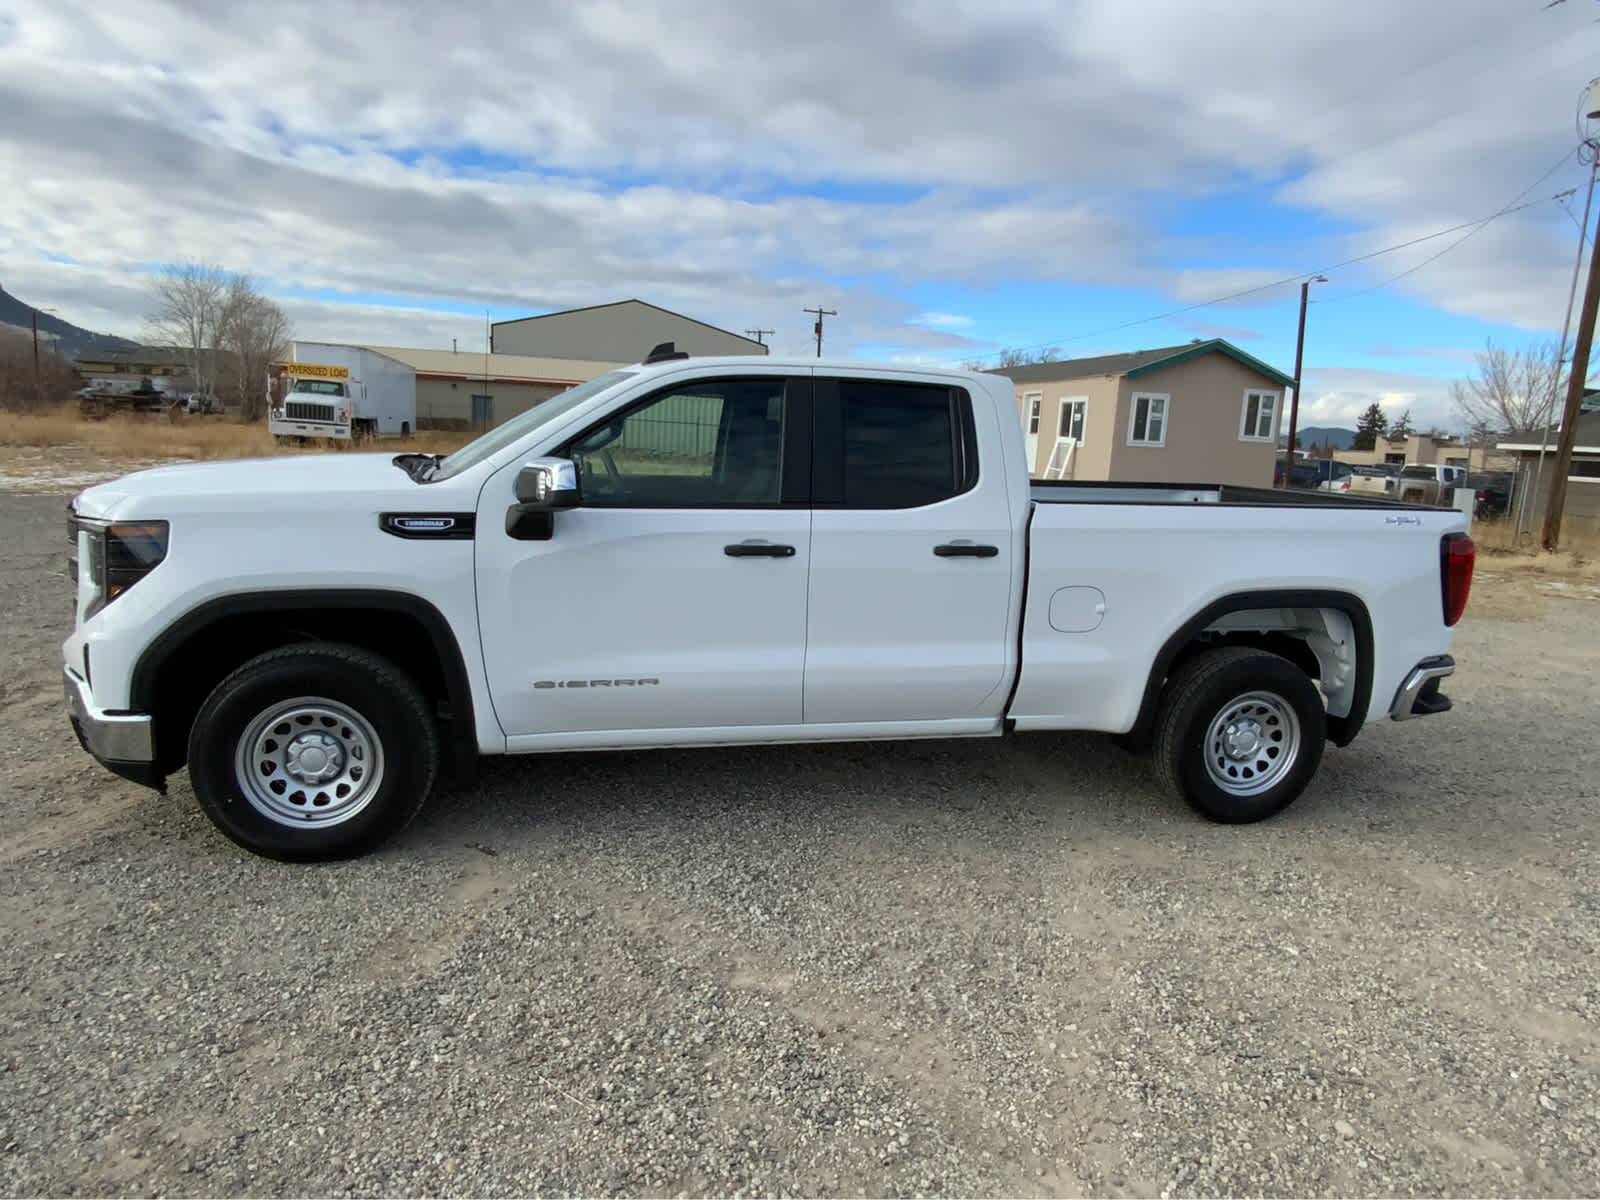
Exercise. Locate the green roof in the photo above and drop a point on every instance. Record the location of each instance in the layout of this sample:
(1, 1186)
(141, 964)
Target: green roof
(1139, 362)
(1221, 346)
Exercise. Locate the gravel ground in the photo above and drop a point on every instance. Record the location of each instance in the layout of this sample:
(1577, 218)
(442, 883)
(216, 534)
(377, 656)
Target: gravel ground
(954, 968)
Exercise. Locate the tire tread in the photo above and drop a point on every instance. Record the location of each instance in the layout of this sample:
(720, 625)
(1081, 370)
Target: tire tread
(1184, 689)
(399, 687)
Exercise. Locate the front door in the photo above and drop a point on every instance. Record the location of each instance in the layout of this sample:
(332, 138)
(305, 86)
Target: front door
(674, 596)
(912, 559)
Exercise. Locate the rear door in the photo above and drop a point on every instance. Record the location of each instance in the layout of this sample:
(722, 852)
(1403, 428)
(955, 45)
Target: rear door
(912, 558)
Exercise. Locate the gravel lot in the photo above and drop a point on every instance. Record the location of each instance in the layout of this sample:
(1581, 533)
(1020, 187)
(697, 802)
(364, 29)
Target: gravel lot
(974, 968)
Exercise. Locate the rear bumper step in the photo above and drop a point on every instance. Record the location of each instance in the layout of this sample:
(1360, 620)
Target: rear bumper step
(1419, 695)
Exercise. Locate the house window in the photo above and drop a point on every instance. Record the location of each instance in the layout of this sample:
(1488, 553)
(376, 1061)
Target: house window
(1260, 408)
(1072, 414)
(1033, 412)
(1147, 421)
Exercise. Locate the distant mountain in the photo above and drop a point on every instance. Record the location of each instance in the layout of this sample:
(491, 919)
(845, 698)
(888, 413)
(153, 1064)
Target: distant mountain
(1316, 435)
(66, 337)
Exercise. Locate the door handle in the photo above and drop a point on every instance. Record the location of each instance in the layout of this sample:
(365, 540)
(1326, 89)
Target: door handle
(758, 550)
(965, 550)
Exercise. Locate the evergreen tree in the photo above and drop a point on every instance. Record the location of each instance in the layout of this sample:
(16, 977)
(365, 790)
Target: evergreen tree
(1372, 425)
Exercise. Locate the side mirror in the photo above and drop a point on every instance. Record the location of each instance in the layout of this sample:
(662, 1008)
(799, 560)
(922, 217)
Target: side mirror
(547, 484)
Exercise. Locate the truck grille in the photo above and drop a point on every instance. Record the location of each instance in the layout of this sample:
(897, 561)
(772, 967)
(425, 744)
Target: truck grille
(299, 410)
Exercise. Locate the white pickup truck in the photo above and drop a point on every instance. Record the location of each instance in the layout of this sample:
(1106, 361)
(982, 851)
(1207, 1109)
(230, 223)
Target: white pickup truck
(697, 552)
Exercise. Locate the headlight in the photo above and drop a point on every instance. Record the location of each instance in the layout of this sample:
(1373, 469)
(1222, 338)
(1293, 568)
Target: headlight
(113, 556)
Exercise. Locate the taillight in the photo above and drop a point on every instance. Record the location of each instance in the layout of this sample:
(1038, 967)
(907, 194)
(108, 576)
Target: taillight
(1456, 557)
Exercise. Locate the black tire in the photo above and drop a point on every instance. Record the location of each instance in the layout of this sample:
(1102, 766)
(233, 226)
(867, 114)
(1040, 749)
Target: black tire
(1280, 713)
(313, 752)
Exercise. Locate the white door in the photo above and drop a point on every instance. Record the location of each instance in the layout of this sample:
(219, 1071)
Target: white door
(674, 596)
(1031, 429)
(911, 559)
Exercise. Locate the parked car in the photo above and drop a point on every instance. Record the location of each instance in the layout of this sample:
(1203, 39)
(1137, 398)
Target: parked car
(720, 551)
(1430, 483)
(1313, 473)
(1493, 492)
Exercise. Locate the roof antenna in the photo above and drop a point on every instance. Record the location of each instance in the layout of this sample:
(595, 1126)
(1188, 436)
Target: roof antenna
(664, 352)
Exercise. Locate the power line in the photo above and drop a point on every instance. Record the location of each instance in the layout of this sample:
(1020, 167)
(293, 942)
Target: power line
(1477, 226)
(1296, 278)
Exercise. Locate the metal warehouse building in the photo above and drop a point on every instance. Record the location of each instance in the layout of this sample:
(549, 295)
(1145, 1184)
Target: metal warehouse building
(624, 331)
(466, 390)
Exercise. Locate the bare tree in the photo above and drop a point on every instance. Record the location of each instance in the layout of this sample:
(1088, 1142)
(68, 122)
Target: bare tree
(255, 332)
(189, 300)
(29, 385)
(1515, 390)
(1017, 357)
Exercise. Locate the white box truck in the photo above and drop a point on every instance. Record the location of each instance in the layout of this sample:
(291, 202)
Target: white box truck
(332, 391)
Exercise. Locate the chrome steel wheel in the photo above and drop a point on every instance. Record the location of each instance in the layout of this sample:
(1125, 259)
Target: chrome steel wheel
(1252, 743)
(309, 762)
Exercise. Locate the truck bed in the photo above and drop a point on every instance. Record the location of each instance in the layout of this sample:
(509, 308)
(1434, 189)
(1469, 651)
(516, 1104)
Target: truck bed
(1069, 492)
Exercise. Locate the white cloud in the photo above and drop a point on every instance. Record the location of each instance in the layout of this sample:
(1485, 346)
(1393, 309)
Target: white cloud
(1339, 395)
(939, 320)
(713, 158)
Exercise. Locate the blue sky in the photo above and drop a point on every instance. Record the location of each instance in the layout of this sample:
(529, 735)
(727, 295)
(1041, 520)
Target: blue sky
(954, 178)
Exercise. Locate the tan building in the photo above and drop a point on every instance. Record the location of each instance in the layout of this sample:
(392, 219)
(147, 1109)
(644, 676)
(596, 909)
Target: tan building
(1426, 450)
(154, 362)
(466, 390)
(624, 331)
(1205, 412)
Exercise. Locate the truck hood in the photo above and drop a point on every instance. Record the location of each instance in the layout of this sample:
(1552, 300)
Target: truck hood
(301, 483)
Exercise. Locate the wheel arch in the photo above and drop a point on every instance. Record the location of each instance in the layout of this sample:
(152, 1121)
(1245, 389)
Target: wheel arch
(181, 666)
(1189, 638)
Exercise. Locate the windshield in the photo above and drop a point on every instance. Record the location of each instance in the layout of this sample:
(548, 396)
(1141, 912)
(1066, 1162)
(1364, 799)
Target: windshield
(1417, 473)
(318, 387)
(518, 427)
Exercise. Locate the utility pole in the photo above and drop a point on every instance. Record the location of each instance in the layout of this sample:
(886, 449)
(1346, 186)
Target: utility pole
(1550, 536)
(1294, 404)
(817, 329)
(757, 334)
(1569, 420)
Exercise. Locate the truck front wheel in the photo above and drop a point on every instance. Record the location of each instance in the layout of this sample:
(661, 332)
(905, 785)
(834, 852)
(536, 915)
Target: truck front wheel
(313, 752)
(1240, 734)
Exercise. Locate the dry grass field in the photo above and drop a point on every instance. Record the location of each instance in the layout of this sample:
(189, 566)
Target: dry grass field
(175, 436)
(62, 451)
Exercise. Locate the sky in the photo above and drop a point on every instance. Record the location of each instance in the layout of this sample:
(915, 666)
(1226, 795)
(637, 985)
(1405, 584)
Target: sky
(953, 177)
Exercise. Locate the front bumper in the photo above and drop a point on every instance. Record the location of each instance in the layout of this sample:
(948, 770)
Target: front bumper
(1419, 695)
(122, 742)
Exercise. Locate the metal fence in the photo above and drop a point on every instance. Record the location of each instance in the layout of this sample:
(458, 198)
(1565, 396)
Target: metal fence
(677, 427)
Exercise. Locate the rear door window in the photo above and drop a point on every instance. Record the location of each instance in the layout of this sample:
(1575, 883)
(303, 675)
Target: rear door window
(892, 445)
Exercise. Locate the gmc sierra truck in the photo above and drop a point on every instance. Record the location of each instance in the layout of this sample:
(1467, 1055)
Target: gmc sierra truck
(719, 551)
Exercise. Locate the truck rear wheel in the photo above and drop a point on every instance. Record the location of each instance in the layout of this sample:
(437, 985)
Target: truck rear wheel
(1240, 734)
(313, 752)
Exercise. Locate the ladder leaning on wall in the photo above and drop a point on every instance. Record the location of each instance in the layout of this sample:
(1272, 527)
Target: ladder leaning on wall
(1060, 459)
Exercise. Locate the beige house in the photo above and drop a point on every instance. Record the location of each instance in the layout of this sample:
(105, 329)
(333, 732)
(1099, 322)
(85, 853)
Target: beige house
(466, 390)
(1205, 412)
(624, 331)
